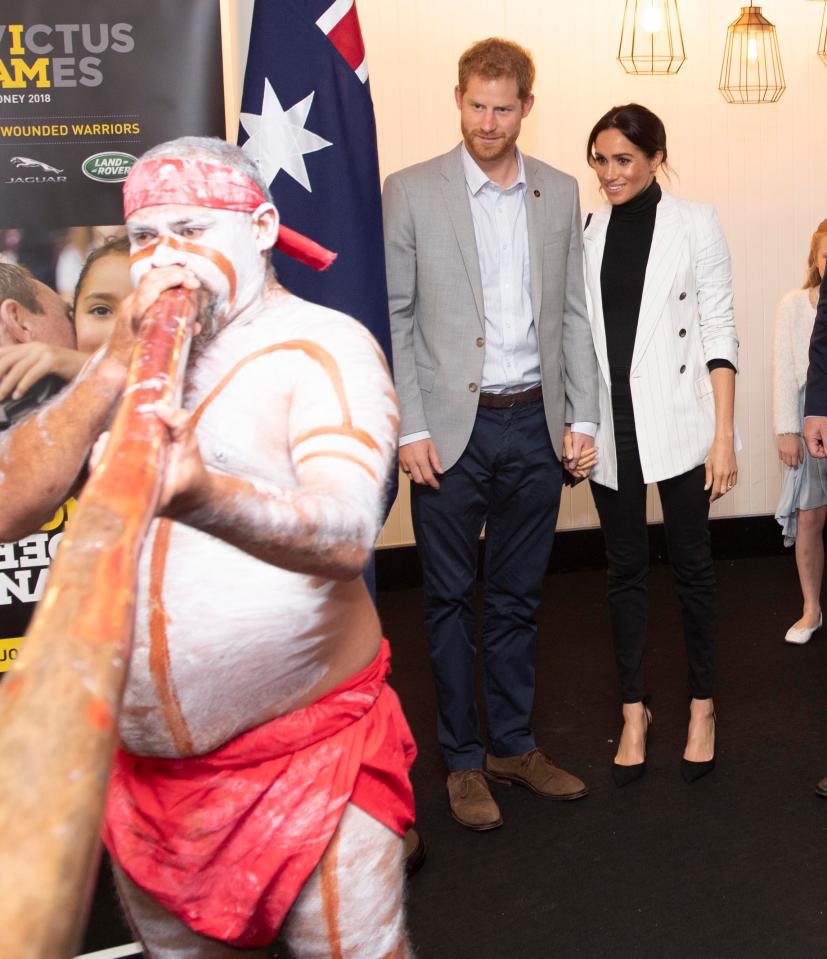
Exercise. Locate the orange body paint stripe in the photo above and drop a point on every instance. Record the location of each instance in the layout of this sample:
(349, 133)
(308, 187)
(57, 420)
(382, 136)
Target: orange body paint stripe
(339, 456)
(312, 350)
(159, 667)
(361, 436)
(330, 366)
(330, 896)
(217, 259)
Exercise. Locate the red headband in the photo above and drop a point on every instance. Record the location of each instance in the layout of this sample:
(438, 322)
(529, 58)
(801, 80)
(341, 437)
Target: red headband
(192, 182)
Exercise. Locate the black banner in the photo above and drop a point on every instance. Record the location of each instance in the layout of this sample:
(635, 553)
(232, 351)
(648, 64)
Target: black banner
(86, 86)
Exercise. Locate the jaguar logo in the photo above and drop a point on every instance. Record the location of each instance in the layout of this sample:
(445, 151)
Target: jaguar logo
(29, 164)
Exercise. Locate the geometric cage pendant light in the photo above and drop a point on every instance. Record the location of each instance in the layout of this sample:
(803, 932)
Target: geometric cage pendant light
(651, 39)
(822, 35)
(751, 71)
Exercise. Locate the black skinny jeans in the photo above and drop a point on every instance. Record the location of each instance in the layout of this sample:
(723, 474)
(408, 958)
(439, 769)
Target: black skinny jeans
(686, 521)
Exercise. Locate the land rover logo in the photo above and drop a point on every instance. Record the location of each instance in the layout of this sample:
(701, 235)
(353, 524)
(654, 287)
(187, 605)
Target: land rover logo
(108, 167)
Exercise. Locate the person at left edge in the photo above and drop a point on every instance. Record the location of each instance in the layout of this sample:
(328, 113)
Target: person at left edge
(497, 382)
(30, 314)
(280, 451)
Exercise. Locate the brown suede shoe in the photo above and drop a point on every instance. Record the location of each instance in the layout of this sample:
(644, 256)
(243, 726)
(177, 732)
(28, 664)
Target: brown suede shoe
(536, 772)
(821, 787)
(471, 802)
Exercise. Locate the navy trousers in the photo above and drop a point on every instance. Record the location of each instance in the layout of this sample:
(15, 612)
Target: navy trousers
(509, 479)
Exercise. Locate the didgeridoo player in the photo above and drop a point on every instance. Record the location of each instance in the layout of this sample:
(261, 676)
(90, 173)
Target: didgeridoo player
(262, 780)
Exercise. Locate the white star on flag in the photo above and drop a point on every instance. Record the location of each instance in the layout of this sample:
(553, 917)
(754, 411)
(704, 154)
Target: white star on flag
(278, 139)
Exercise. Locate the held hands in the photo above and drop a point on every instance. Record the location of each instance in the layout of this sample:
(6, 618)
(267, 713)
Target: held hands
(721, 468)
(815, 435)
(790, 449)
(579, 453)
(419, 461)
(23, 364)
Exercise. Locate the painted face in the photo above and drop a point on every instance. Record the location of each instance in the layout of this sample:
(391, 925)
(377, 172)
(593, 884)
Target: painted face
(491, 114)
(222, 248)
(105, 285)
(622, 168)
(820, 256)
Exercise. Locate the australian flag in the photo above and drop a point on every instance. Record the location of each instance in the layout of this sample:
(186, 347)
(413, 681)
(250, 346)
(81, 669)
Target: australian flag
(307, 119)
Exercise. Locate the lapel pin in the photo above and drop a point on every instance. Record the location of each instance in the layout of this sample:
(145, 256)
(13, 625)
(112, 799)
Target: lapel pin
(536, 193)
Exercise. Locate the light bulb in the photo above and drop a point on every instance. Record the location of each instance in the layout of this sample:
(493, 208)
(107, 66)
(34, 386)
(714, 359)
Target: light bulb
(652, 19)
(752, 49)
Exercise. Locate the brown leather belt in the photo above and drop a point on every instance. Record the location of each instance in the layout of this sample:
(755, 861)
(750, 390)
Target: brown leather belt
(504, 401)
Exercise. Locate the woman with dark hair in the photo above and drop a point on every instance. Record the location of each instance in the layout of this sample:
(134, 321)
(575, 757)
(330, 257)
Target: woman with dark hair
(659, 290)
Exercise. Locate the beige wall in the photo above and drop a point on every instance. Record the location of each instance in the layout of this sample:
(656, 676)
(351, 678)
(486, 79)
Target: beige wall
(763, 167)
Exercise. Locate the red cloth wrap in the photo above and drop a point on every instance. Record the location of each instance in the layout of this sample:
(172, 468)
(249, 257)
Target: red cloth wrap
(192, 182)
(226, 841)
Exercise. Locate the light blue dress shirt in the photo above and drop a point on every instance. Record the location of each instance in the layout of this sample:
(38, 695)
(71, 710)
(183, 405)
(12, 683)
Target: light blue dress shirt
(512, 354)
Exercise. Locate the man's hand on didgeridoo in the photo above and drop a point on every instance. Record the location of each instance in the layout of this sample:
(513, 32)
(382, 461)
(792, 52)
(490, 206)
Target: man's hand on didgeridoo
(186, 478)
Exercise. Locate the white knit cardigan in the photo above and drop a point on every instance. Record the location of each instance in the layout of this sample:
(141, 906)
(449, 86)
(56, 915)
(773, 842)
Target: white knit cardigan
(794, 321)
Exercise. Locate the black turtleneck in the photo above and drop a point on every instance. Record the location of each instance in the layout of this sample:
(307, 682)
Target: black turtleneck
(622, 272)
(628, 241)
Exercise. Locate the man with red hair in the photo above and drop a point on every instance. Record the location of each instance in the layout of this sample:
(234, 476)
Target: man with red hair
(262, 780)
(497, 382)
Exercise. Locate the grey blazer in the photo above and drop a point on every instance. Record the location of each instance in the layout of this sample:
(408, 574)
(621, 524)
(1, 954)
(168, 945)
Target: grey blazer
(436, 302)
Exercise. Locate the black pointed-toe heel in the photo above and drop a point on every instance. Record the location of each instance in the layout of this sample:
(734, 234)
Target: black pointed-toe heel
(692, 772)
(624, 775)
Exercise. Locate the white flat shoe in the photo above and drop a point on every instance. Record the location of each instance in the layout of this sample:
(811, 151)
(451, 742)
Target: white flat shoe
(801, 636)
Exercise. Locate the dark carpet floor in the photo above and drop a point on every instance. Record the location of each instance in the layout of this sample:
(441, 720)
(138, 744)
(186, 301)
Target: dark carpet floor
(732, 866)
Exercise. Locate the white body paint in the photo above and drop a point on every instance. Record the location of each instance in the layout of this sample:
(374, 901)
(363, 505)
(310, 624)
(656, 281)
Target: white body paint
(248, 641)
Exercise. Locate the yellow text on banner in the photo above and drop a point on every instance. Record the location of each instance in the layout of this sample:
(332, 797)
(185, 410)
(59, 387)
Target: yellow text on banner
(9, 648)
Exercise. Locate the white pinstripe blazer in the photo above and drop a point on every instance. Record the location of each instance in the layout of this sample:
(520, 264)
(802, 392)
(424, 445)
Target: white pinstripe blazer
(686, 318)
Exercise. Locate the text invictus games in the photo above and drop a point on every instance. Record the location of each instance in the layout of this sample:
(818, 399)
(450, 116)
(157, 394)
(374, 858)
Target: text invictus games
(58, 55)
